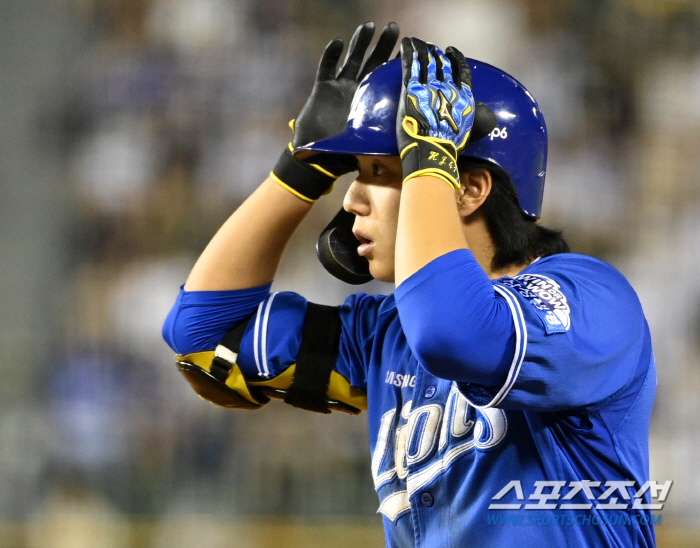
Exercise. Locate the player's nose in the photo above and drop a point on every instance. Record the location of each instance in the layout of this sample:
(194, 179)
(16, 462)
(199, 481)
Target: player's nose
(356, 200)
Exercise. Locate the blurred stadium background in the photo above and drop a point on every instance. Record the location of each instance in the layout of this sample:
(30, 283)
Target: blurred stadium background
(130, 129)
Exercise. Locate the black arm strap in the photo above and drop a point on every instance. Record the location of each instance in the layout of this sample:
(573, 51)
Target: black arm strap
(320, 342)
(220, 368)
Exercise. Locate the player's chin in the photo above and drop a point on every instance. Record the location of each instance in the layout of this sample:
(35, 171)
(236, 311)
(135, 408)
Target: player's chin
(381, 270)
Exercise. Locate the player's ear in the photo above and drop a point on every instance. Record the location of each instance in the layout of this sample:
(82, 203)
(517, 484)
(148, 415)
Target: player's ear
(475, 187)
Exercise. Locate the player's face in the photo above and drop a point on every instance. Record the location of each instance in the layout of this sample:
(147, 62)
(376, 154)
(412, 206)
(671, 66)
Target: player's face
(374, 198)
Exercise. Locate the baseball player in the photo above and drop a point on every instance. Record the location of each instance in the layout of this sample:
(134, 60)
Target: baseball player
(502, 374)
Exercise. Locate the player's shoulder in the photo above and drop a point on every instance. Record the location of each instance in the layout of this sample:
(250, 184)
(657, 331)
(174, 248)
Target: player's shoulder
(364, 315)
(371, 300)
(578, 278)
(573, 268)
(568, 291)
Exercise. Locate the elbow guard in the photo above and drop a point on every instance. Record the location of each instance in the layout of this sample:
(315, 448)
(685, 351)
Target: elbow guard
(215, 376)
(310, 384)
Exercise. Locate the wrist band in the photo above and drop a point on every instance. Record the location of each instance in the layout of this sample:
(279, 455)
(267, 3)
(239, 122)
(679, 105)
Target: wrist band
(304, 180)
(430, 157)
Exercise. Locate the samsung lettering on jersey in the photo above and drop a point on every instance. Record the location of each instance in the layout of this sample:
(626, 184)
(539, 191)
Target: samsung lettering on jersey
(400, 379)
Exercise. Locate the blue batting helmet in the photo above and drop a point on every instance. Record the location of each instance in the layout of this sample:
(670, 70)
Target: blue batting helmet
(518, 144)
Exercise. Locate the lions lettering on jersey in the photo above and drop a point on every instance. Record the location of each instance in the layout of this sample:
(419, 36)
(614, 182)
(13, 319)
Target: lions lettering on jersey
(411, 440)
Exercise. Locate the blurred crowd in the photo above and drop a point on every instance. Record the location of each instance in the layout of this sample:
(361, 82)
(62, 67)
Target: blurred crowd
(170, 116)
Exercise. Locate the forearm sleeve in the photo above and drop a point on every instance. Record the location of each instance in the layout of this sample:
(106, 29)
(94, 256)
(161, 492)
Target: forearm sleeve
(199, 319)
(456, 325)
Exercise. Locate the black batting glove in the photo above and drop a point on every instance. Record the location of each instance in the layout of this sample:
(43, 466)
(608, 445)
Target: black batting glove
(326, 112)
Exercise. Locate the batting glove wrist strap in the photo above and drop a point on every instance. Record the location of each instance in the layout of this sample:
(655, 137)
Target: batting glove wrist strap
(425, 157)
(303, 179)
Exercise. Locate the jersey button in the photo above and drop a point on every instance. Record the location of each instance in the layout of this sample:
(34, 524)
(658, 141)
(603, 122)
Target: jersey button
(430, 392)
(426, 499)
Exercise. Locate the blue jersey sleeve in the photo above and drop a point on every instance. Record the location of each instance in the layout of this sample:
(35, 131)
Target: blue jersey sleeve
(456, 325)
(581, 336)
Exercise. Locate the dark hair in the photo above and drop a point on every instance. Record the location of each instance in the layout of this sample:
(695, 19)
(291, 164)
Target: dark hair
(518, 238)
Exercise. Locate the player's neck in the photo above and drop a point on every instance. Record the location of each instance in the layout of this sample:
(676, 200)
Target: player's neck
(482, 246)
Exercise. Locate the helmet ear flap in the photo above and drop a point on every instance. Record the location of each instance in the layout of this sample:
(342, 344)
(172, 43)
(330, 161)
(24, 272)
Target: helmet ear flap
(485, 122)
(336, 248)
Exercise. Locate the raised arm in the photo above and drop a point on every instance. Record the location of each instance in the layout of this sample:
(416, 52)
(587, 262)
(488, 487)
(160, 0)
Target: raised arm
(246, 251)
(231, 277)
(445, 300)
(435, 117)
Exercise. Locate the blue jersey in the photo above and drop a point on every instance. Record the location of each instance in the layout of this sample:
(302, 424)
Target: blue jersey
(551, 454)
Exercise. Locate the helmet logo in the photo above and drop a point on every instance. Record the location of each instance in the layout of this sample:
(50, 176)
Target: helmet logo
(445, 111)
(499, 133)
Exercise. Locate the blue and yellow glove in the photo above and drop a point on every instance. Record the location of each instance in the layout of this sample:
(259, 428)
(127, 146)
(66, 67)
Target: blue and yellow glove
(436, 111)
(326, 112)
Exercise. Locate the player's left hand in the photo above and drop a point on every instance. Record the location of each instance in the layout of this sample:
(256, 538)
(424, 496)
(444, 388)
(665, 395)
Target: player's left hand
(326, 113)
(436, 111)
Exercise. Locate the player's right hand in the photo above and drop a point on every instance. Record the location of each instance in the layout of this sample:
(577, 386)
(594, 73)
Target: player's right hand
(327, 108)
(326, 111)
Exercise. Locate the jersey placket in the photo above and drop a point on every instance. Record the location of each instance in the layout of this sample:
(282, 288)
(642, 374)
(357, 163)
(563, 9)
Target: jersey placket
(425, 420)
